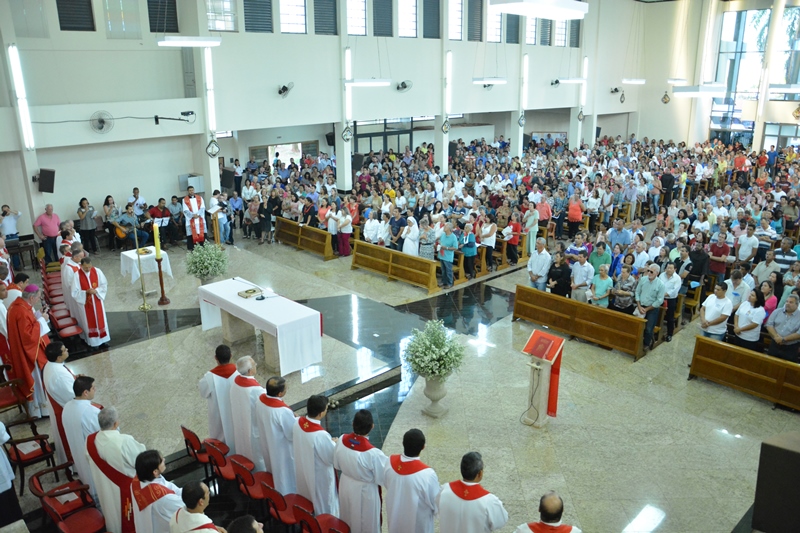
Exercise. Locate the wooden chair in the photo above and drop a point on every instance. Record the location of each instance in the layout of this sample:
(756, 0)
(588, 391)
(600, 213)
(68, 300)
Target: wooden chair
(21, 456)
(279, 508)
(321, 523)
(11, 395)
(692, 301)
(79, 515)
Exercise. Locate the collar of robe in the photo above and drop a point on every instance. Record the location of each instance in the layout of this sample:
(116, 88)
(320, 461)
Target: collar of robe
(246, 381)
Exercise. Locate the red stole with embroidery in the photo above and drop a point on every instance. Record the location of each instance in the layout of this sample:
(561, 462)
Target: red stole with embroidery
(148, 494)
(467, 492)
(405, 468)
(95, 315)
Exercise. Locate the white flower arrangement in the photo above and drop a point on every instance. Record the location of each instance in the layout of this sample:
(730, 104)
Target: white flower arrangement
(207, 261)
(433, 352)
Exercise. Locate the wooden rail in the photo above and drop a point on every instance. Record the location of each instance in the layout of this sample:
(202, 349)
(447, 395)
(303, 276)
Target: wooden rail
(304, 237)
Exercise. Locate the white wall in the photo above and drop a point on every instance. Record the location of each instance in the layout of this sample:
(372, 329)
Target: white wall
(547, 121)
(615, 124)
(269, 136)
(12, 179)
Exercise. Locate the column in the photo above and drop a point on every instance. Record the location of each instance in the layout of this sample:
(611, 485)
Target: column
(344, 159)
(344, 149)
(575, 128)
(770, 58)
(441, 142)
(515, 131)
(705, 62)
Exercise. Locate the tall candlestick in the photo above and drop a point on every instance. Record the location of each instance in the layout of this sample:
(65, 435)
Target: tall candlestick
(157, 241)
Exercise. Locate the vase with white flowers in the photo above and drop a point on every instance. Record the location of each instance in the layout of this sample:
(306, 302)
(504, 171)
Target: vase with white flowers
(434, 353)
(206, 262)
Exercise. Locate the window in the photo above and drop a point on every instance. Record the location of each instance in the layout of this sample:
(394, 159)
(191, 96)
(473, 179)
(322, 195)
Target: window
(430, 19)
(356, 17)
(407, 18)
(561, 33)
(122, 19)
(258, 16)
(293, 16)
(221, 15)
(325, 17)
(29, 18)
(494, 27)
(512, 29)
(575, 33)
(545, 32)
(475, 20)
(530, 30)
(382, 18)
(163, 15)
(456, 19)
(75, 15)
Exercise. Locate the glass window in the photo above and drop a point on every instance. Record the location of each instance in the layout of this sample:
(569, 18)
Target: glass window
(221, 15)
(530, 30)
(293, 16)
(561, 33)
(122, 19)
(494, 27)
(407, 18)
(356, 17)
(456, 20)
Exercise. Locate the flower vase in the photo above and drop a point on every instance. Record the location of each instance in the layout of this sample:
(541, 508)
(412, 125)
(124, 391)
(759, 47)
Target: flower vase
(435, 390)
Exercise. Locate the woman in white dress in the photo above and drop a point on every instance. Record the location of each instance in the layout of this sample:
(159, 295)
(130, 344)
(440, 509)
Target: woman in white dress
(411, 237)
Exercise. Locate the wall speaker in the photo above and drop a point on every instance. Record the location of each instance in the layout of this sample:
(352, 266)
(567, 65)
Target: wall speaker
(47, 180)
(331, 138)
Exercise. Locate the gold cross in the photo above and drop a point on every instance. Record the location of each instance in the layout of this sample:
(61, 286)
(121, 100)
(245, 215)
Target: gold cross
(399, 467)
(466, 493)
(305, 425)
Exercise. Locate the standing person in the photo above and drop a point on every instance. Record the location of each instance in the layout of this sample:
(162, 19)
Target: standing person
(276, 421)
(624, 291)
(551, 508)
(238, 171)
(581, 276)
(89, 291)
(410, 237)
(412, 488)
(448, 243)
(345, 221)
(649, 298)
(672, 286)
(747, 321)
(47, 228)
(313, 452)
(58, 381)
(465, 506)
(784, 327)
(8, 228)
(427, 240)
(362, 466)
(215, 387)
(245, 391)
(196, 497)
(8, 496)
(194, 212)
(715, 312)
(539, 265)
(559, 276)
(488, 239)
(88, 226)
(80, 420)
(531, 221)
(511, 245)
(112, 459)
(138, 202)
(602, 284)
(467, 246)
(155, 500)
(575, 211)
(27, 340)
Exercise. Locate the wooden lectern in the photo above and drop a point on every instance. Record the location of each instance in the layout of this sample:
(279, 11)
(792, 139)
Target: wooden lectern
(545, 365)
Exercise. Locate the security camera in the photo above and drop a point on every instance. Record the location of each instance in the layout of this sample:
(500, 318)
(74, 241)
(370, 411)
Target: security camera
(614, 90)
(555, 83)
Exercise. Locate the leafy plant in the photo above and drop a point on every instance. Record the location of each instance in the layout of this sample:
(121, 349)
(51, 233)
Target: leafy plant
(433, 352)
(207, 261)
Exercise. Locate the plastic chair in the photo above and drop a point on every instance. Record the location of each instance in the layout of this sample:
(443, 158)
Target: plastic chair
(20, 459)
(56, 509)
(322, 523)
(251, 483)
(11, 393)
(196, 449)
(222, 466)
(281, 507)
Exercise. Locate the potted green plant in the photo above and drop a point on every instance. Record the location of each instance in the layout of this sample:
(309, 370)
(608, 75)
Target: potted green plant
(434, 353)
(206, 262)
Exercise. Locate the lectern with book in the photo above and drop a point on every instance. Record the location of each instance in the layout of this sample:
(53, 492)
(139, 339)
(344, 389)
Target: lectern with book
(545, 351)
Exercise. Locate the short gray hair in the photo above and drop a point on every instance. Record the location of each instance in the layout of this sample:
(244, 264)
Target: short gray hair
(76, 248)
(244, 364)
(794, 297)
(107, 418)
(541, 240)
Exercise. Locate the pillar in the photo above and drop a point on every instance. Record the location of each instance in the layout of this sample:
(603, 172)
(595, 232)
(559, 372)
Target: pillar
(441, 142)
(344, 159)
(575, 128)
(770, 58)
(514, 133)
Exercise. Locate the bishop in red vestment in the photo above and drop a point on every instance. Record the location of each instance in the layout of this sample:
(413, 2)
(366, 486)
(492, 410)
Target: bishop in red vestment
(27, 339)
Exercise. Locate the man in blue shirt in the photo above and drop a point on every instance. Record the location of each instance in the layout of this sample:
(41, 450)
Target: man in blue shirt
(619, 235)
(236, 204)
(772, 157)
(448, 243)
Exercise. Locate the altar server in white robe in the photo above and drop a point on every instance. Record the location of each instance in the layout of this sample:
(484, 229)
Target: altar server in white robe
(245, 391)
(80, 420)
(412, 488)
(155, 500)
(363, 467)
(215, 387)
(551, 507)
(276, 421)
(465, 506)
(112, 459)
(89, 290)
(69, 272)
(58, 382)
(191, 517)
(11, 511)
(313, 454)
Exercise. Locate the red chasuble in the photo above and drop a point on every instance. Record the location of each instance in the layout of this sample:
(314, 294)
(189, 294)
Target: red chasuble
(307, 425)
(151, 493)
(224, 371)
(95, 316)
(119, 479)
(405, 468)
(26, 344)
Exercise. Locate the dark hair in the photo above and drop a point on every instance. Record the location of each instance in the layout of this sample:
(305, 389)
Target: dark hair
(146, 462)
(316, 405)
(243, 524)
(21, 277)
(413, 442)
(53, 351)
(471, 466)
(82, 384)
(80, 202)
(760, 300)
(223, 354)
(275, 385)
(362, 422)
(86, 261)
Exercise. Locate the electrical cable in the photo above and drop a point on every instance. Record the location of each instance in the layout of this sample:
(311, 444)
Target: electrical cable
(114, 118)
(530, 404)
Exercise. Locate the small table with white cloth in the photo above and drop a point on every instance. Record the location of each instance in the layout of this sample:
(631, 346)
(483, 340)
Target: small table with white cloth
(129, 264)
(292, 332)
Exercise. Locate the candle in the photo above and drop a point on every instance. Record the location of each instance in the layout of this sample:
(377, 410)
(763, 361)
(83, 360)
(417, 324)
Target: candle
(157, 241)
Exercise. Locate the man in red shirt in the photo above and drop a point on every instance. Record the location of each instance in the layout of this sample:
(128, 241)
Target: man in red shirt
(718, 253)
(47, 229)
(171, 229)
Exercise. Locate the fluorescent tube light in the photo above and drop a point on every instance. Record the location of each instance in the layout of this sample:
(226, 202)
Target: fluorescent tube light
(189, 42)
(543, 9)
(448, 80)
(210, 102)
(525, 72)
(634, 81)
(699, 91)
(784, 89)
(571, 80)
(677, 81)
(22, 100)
(368, 82)
(489, 81)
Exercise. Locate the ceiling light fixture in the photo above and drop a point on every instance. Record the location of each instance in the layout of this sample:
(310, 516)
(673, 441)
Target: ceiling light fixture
(368, 82)
(22, 96)
(189, 42)
(677, 81)
(634, 81)
(489, 81)
(543, 9)
(775, 88)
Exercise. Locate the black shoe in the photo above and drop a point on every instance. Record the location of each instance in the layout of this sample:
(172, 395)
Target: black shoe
(669, 338)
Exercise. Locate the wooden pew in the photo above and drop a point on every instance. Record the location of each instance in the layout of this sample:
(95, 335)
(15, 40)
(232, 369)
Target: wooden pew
(459, 275)
(522, 248)
(596, 324)
(499, 256)
(761, 375)
(304, 237)
(396, 265)
(481, 268)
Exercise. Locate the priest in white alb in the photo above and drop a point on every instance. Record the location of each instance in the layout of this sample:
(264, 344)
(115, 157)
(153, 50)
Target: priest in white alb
(313, 454)
(5, 350)
(69, 271)
(276, 421)
(215, 387)
(194, 210)
(112, 459)
(58, 384)
(465, 506)
(89, 291)
(363, 467)
(245, 391)
(79, 419)
(16, 288)
(191, 517)
(411, 488)
(155, 500)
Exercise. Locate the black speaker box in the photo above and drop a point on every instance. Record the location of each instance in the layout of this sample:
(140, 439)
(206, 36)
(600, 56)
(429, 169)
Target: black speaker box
(330, 137)
(47, 180)
(226, 180)
(451, 149)
(357, 162)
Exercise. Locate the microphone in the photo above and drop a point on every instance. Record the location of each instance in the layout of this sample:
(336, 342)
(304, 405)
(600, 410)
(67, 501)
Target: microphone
(260, 296)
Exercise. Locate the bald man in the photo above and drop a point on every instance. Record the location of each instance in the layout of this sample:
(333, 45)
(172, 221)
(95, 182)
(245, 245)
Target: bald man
(551, 507)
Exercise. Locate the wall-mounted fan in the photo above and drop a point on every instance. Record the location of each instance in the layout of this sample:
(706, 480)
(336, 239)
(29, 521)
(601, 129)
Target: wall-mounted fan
(404, 86)
(283, 90)
(102, 122)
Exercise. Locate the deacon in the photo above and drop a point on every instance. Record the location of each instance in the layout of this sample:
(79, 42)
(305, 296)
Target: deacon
(5, 351)
(155, 500)
(79, 419)
(465, 506)
(551, 507)
(27, 340)
(191, 517)
(313, 453)
(276, 421)
(16, 288)
(362, 466)
(245, 391)
(58, 384)
(112, 460)
(215, 387)
(412, 488)
(89, 291)
(194, 211)
(69, 271)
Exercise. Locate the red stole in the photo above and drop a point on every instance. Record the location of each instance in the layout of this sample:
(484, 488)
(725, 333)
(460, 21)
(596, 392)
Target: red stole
(149, 494)
(246, 381)
(26, 344)
(308, 426)
(224, 371)
(198, 225)
(406, 468)
(467, 492)
(95, 317)
(272, 402)
(541, 527)
(358, 443)
(119, 479)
